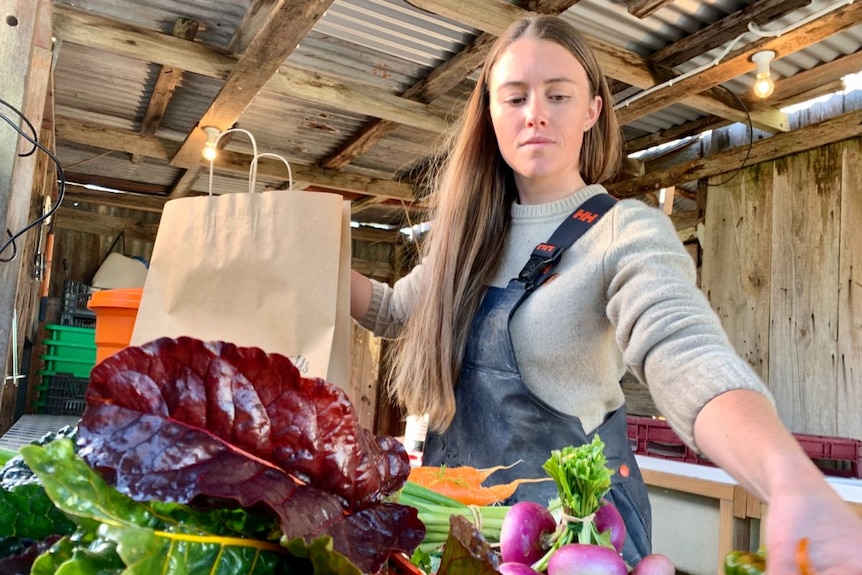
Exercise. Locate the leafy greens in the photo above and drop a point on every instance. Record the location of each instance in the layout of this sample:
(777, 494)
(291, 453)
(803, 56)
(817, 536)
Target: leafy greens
(193, 452)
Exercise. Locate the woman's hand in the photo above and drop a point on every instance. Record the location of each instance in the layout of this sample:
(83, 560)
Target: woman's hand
(740, 431)
(831, 528)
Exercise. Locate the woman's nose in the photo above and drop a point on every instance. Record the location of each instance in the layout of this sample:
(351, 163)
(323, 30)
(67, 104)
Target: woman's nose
(536, 113)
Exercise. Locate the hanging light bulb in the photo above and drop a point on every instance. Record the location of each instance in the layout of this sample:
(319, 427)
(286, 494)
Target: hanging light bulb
(210, 152)
(763, 85)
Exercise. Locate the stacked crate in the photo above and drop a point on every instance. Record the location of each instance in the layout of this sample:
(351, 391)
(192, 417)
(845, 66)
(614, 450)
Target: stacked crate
(73, 310)
(70, 354)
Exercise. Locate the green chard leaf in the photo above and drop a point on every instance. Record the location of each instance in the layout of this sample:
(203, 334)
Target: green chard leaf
(26, 511)
(146, 551)
(78, 490)
(123, 536)
(467, 552)
(323, 559)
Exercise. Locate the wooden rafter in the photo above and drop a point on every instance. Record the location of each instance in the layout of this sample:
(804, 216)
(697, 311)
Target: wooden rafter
(166, 83)
(132, 142)
(287, 24)
(739, 62)
(88, 29)
(725, 30)
(643, 8)
(493, 16)
(780, 145)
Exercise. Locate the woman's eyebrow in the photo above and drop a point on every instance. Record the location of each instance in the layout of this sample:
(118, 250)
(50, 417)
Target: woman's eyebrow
(521, 83)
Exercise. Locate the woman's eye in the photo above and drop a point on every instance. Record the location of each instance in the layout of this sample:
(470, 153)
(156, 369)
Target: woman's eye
(558, 97)
(515, 100)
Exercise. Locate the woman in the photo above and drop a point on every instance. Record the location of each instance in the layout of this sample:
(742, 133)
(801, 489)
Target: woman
(508, 370)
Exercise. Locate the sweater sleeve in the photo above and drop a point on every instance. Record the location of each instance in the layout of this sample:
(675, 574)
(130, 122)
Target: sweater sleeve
(671, 338)
(390, 306)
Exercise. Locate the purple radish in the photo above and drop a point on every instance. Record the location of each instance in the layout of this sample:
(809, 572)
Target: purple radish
(608, 518)
(524, 531)
(513, 568)
(580, 559)
(655, 564)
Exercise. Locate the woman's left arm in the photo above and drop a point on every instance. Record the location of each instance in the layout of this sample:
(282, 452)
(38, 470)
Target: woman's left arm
(741, 432)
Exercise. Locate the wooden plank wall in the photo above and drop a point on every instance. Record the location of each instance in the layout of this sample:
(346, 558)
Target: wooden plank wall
(849, 356)
(782, 267)
(736, 261)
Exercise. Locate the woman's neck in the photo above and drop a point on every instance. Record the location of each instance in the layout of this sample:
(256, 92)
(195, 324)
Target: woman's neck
(533, 192)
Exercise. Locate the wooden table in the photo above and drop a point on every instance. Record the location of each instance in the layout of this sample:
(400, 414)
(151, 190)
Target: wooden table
(736, 506)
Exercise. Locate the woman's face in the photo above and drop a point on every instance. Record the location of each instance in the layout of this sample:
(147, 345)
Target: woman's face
(541, 105)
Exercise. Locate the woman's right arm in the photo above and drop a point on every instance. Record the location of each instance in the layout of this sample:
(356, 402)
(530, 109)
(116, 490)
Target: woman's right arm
(380, 308)
(360, 295)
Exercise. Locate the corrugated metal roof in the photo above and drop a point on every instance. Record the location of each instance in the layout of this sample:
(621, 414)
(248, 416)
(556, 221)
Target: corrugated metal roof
(387, 45)
(395, 28)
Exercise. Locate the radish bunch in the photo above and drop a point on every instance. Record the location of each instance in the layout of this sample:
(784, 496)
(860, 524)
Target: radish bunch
(589, 538)
(529, 531)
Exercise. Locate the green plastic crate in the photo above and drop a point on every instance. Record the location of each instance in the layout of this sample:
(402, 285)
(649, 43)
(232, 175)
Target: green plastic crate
(64, 394)
(74, 351)
(76, 367)
(71, 334)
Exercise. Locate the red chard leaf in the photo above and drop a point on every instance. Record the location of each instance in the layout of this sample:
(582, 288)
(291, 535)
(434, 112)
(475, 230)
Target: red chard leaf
(179, 419)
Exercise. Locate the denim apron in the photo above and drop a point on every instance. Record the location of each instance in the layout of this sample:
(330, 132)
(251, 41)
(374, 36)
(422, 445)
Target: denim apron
(499, 421)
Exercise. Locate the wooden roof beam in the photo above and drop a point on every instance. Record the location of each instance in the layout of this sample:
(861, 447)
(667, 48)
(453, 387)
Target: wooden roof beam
(643, 8)
(494, 16)
(166, 83)
(739, 62)
(725, 30)
(780, 145)
(288, 23)
(88, 29)
(132, 142)
(436, 84)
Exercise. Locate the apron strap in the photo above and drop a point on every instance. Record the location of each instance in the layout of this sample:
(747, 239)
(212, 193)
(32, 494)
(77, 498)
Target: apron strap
(546, 256)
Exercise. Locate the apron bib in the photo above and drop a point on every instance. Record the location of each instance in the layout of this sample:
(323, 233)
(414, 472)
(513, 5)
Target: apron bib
(499, 421)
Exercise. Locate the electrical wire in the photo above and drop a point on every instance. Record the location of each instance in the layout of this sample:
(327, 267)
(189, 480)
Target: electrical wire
(750, 138)
(752, 29)
(61, 176)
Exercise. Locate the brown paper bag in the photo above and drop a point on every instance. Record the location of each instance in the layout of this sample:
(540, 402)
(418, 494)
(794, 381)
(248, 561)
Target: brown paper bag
(269, 270)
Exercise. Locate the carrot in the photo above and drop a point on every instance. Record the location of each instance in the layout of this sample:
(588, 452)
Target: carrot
(803, 561)
(464, 483)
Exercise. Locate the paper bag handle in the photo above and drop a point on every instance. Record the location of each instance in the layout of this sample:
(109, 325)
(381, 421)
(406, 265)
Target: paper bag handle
(252, 169)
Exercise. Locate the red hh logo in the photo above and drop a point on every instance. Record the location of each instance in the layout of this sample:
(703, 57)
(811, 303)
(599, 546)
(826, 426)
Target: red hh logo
(545, 248)
(585, 216)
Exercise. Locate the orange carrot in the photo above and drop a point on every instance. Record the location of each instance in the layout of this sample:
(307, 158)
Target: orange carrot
(464, 483)
(803, 561)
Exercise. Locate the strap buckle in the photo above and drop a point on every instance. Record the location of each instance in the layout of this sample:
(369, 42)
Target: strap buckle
(544, 258)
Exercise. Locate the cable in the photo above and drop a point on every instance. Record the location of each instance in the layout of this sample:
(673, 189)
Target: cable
(750, 138)
(61, 176)
(753, 29)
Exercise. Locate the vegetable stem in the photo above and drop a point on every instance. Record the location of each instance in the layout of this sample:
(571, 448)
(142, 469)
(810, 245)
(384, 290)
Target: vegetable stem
(435, 510)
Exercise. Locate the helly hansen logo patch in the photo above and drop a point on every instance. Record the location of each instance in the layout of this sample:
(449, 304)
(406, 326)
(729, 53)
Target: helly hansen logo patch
(548, 248)
(585, 216)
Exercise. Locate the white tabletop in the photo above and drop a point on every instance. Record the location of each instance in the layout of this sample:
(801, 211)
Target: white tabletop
(849, 489)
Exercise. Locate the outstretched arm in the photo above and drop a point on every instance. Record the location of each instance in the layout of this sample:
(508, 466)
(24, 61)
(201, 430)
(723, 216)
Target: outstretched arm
(360, 295)
(741, 432)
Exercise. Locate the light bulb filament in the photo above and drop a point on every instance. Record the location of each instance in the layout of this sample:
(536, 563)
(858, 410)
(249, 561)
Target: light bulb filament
(210, 150)
(763, 85)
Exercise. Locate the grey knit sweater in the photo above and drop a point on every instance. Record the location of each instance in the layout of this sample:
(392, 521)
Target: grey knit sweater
(625, 297)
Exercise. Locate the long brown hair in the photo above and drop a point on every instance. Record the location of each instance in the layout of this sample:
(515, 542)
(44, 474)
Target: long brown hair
(474, 191)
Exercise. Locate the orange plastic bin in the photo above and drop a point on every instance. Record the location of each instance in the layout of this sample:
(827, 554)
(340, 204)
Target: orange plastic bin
(116, 311)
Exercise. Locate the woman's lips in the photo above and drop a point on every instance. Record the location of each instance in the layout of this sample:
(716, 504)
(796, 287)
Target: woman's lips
(536, 141)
